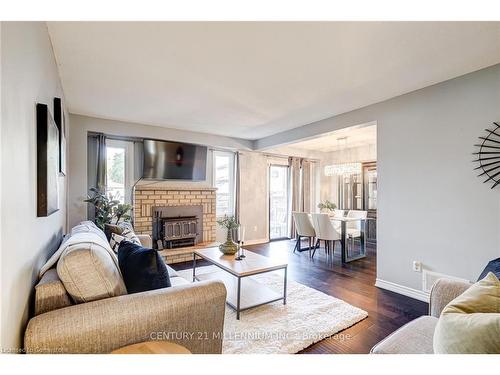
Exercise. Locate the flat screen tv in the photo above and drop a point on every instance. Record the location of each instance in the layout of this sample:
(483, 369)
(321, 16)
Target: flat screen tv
(165, 160)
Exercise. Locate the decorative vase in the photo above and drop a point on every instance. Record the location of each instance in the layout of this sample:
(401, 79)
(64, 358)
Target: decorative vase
(229, 247)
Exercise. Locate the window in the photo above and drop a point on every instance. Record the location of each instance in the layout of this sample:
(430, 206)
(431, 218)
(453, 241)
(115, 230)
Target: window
(223, 166)
(278, 201)
(119, 169)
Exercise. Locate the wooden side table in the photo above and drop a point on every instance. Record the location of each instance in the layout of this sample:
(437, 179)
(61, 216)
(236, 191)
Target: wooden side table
(152, 347)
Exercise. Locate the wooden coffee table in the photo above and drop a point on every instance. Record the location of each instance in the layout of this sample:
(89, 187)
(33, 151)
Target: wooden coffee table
(152, 347)
(243, 292)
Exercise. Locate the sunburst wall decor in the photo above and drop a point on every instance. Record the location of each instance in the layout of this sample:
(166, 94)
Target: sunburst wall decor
(488, 155)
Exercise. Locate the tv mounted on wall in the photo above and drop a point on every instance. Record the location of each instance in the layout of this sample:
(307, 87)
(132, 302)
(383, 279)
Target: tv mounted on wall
(164, 160)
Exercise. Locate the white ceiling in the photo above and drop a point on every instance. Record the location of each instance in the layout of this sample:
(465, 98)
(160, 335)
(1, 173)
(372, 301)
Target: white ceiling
(255, 79)
(342, 139)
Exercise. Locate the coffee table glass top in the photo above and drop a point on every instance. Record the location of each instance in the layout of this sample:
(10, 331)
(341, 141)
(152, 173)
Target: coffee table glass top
(252, 264)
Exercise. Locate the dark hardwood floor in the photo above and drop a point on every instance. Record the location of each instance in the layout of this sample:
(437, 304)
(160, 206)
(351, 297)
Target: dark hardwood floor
(353, 283)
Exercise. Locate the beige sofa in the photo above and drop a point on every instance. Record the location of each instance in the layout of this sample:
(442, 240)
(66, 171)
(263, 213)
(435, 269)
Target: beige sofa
(416, 336)
(188, 314)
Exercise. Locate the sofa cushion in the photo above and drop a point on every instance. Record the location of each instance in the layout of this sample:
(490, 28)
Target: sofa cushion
(143, 269)
(88, 227)
(83, 227)
(172, 272)
(413, 338)
(88, 268)
(176, 281)
(50, 293)
(471, 322)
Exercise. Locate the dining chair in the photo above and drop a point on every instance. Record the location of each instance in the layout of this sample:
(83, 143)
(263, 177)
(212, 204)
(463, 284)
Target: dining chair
(354, 228)
(304, 228)
(338, 213)
(325, 231)
(337, 224)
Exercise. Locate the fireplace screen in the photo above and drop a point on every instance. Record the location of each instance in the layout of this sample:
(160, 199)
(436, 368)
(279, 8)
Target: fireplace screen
(177, 232)
(177, 226)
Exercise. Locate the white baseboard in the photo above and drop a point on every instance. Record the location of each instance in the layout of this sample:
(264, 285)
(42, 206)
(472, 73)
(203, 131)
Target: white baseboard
(256, 242)
(404, 290)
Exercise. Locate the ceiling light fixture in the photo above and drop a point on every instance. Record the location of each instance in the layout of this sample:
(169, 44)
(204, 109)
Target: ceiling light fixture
(342, 169)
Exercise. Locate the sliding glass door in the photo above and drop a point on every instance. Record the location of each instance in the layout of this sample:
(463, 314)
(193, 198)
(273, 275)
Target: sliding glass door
(278, 202)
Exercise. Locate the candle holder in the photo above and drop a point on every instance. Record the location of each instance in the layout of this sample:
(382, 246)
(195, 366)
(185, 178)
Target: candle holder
(239, 257)
(242, 251)
(241, 242)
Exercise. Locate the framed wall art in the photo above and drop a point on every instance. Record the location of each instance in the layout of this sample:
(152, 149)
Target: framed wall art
(47, 162)
(60, 120)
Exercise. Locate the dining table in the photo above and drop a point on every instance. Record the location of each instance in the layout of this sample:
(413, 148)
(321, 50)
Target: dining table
(345, 256)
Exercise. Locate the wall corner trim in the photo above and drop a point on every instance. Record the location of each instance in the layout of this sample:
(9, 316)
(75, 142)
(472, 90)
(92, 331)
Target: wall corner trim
(404, 290)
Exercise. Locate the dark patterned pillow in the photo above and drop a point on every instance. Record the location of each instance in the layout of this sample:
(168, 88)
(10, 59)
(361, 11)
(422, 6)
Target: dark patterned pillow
(142, 268)
(492, 266)
(126, 235)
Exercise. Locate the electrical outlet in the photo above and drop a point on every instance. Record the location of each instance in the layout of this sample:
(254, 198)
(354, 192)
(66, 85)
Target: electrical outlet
(255, 228)
(417, 266)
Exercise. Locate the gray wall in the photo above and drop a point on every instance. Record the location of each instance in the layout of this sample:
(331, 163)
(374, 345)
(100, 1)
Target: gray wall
(254, 196)
(28, 75)
(431, 205)
(81, 125)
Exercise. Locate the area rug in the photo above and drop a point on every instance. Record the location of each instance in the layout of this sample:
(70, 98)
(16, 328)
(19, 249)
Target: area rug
(308, 317)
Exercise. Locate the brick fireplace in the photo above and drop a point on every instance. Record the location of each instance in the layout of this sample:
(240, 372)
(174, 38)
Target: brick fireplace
(149, 200)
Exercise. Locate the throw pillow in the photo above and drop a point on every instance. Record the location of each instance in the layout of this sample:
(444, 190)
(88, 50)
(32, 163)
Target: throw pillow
(89, 269)
(142, 269)
(127, 235)
(471, 322)
(492, 266)
(109, 229)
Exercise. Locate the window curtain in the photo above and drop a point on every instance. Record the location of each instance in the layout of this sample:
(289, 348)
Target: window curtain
(237, 186)
(295, 190)
(301, 187)
(306, 186)
(236, 176)
(101, 162)
(96, 166)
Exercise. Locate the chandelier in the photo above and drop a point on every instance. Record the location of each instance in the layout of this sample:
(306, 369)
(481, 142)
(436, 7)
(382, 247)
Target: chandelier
(342, 169)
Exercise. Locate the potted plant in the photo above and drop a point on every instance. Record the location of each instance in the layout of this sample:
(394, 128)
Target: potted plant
(229, 223)
(107, 208)
(327, 205)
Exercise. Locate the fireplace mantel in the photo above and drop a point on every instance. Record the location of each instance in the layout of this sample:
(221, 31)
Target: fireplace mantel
(173, 188)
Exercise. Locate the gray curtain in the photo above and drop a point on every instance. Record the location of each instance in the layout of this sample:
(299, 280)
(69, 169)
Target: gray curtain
(236, 192)
(96, 166)
(101, 162)
(306, 186)
(300, 187)
(237, 186)
(295, 191)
